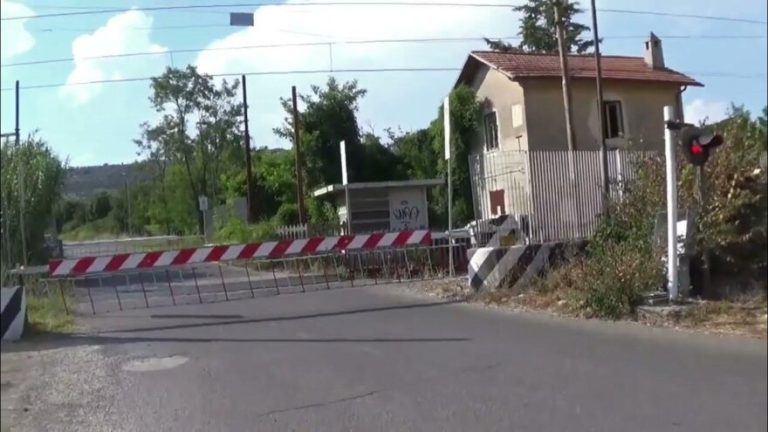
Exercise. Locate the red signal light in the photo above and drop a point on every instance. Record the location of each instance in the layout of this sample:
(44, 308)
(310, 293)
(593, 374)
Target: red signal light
(697, 149)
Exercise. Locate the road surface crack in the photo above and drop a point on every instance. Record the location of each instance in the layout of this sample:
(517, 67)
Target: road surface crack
(320, 404)
(471, 369)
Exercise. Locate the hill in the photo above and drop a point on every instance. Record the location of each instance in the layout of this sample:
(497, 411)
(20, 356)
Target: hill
(87, 181)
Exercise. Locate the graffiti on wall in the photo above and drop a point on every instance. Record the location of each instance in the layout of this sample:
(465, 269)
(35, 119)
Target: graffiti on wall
(406, 215)
(407, 210)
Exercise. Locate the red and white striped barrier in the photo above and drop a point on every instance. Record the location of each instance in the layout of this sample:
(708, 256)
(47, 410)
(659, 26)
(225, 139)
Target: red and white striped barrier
(265, 250)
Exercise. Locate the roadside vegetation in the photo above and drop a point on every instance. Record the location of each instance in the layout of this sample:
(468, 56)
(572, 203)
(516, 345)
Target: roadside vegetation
(46, 310)
(622, 262)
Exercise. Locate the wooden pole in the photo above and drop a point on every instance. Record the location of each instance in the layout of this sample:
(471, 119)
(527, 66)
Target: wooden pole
(600, 114)
(558, 4)
(297, 151)
(250, 204)
(561, 47)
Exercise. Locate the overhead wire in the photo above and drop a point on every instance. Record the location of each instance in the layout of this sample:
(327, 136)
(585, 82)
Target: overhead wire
(329, 70)
(368, 3)
(303, 44)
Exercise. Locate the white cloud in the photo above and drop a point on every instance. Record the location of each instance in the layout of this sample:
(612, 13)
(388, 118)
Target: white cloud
(125, 33)
(14, 37)
(301, 24)
(701, 110)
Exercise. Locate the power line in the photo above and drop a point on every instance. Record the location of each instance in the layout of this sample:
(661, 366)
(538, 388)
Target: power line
(680, 15)
(320, 43)
(371, 3)
(225, 75)
(260, 4)
(244, 47)
(352, 70)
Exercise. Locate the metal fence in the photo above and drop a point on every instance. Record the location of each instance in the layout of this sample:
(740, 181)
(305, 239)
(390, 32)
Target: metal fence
(551, 195)
(242, 279)
(302, 231)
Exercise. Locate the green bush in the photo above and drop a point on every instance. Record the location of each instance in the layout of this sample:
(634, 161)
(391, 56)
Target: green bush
(237, 231)
(287, 214)
(616, 277)
(322, 212)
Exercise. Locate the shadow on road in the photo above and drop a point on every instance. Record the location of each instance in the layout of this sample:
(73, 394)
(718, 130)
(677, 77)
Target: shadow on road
(60, 340)
(287, 318)
(198, 316)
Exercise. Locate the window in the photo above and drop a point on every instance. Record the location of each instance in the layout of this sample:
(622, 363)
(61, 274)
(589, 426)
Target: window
(613, 119)
(497, 202)
(491, 131)
(517, 115)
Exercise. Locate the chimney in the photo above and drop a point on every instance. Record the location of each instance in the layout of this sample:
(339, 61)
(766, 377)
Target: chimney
(653, 56)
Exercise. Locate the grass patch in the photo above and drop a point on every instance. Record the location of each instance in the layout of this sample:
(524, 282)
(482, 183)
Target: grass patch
(743, 315)
(46, 312)
(102, 229)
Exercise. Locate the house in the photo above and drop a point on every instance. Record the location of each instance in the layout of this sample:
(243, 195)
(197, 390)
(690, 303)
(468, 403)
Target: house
(522, 151)
(524, 99)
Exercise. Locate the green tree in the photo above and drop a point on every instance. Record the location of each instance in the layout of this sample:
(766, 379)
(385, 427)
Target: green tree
(538, 29)
(328, 118)
(100, 206)
(31, 168)
(466, 113)
(183, 97)
(417, 155)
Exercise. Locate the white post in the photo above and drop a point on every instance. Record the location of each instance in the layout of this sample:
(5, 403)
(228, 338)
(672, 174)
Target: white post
(447, 134)
(669, 150)
(344, 182)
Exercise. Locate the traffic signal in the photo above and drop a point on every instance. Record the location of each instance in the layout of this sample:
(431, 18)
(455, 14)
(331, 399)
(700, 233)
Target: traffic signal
(697, 144)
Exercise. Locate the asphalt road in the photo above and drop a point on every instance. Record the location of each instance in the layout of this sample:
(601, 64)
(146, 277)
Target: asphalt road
(383, 358)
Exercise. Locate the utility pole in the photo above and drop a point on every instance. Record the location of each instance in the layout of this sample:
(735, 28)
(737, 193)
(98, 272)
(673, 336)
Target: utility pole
(297, 151)
(600, 114)
(561, 48)
(249, 198)
(558, 4)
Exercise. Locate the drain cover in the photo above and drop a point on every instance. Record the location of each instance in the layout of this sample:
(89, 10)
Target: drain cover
(154, 363)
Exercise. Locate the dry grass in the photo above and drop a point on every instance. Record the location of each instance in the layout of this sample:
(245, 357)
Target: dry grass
(745, 315)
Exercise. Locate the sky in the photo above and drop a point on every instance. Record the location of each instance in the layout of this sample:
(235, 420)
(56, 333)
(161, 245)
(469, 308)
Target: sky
(93, 124)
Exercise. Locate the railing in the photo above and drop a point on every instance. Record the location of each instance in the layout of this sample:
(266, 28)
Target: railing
(302, 231)
(244, 279)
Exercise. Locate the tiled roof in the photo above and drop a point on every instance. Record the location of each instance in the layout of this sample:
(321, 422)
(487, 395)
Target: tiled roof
(520, 65)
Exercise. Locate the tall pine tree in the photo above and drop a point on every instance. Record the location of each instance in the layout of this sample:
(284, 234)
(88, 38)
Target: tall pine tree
(537, 29)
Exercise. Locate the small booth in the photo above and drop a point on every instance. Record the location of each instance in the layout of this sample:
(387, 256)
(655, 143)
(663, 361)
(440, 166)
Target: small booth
(382, 206)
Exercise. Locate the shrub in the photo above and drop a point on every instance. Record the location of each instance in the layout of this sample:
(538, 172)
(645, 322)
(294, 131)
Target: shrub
(287, 214)
(234, 231)
(615, 279)
(237, 231)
